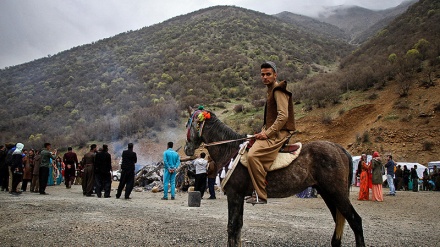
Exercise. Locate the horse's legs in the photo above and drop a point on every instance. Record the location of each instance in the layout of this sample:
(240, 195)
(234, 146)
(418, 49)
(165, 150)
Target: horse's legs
(336, 239)
(235, 218)
(340, 204)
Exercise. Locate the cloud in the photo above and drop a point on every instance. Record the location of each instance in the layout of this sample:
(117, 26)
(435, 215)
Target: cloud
(33, 29)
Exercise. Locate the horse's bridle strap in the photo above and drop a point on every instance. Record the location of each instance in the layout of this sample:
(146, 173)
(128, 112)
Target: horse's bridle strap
(228, 141)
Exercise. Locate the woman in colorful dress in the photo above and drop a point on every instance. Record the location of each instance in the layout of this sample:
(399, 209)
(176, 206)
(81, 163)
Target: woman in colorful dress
(364, 191)
(377, 177)
(50, 180)
(58, 172)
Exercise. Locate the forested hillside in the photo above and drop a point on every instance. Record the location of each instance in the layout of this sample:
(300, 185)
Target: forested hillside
(381, 96)
(389, 89)
(135, 83)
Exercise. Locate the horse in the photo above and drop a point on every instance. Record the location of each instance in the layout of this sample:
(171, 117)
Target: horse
(326, 166)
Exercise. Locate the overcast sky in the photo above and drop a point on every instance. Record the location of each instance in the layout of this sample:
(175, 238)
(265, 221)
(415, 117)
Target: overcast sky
(31, 29)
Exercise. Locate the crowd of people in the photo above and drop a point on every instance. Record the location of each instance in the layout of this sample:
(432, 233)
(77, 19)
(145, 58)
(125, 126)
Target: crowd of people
(37, 169)
(397, 178)
(34, 169)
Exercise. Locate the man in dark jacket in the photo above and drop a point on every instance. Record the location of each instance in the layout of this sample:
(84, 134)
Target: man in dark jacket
(3, 168)
(129, 160)
(88, 180)
(103, 167)
(7, 180)
(390, 165)
(17, 168)
(70, 159)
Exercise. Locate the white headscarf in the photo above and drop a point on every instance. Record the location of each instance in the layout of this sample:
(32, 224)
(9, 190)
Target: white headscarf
(18, 148)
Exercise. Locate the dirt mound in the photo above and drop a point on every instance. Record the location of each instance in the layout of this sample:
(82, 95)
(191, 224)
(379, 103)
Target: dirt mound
(380, 120)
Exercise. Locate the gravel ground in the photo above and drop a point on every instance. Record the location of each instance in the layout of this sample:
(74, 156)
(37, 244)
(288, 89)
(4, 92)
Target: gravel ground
(66, 217)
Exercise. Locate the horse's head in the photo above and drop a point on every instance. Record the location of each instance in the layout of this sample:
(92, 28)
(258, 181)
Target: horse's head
(194, 130)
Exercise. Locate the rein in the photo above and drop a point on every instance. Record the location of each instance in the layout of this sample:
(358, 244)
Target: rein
(227, 141)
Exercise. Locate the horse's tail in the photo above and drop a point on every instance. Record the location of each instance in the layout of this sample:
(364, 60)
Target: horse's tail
(340, 223)
(350, 167)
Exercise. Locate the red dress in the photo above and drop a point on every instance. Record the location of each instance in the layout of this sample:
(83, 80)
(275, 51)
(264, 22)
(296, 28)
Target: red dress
(364, 192)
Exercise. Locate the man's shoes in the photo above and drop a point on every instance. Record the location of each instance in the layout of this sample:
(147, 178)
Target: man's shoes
(15, 193)
(44, 193)
(212, 198)
(107, 196)
(99, 196)
(90, 195)
(254, 201)
(172, 198)
(127, 198)
(164, 198)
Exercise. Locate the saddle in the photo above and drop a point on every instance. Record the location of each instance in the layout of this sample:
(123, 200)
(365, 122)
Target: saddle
(287, 154)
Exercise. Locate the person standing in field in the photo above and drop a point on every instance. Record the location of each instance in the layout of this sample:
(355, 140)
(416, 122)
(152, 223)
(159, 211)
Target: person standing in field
(171, 162)
(129, 159)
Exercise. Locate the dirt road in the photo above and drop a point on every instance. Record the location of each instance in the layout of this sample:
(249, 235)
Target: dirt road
(66, 217)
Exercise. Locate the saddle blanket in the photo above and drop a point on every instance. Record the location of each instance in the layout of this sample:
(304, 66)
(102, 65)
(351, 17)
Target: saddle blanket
(282, 160)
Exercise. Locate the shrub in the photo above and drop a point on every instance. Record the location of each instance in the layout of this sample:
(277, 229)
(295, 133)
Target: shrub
(372, 96)
(341, 111)
(238, 108)
(326, 119)
(427, 146)
(437, 107)
(401, 105)
(406, 118)
(366, 137)
(258, 103)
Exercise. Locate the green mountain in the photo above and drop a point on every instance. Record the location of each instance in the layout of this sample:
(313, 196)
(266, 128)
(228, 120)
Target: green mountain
(136, 83)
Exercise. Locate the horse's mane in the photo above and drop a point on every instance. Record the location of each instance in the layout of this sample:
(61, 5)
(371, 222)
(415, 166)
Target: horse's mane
(218, 129)
(215, 130)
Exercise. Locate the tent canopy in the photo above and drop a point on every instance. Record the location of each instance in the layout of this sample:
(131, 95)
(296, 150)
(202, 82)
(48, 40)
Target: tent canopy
(420, 168)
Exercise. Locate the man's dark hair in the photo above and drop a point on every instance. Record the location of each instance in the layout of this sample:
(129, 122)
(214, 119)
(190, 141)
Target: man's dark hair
(202, 155)
(93, 146)
(170, 145)
(46, 145)
(130, 146)
(391, 157)
(104, 148)
(69, 149)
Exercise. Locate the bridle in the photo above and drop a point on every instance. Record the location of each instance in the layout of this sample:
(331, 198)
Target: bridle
(201, 124)
(228, 141)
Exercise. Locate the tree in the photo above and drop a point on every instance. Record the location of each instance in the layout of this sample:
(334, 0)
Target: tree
(423, 47)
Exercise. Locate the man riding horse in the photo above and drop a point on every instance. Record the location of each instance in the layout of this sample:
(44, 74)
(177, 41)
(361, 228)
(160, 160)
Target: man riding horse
(279, 124)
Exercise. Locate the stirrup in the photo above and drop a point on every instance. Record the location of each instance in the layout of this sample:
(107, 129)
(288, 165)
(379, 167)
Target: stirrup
(255, 199)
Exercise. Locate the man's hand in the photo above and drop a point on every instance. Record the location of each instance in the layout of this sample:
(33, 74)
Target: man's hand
(261, 136)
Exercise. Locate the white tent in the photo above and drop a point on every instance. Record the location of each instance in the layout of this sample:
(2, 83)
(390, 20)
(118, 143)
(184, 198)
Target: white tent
(420, 168)
(432, 164)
